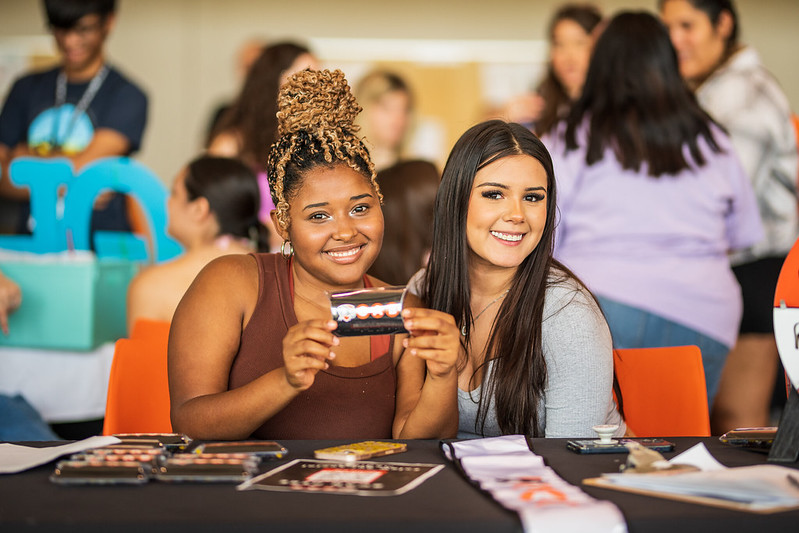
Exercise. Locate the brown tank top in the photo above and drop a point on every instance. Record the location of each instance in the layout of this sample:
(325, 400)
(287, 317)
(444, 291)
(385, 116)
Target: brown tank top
(343, 403)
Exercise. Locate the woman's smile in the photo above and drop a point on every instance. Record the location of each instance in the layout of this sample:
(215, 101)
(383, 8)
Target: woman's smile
(509, 238)
(507, 211)
(345, 254)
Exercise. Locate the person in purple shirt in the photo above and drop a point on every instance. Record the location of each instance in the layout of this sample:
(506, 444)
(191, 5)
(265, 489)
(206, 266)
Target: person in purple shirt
(652, 199)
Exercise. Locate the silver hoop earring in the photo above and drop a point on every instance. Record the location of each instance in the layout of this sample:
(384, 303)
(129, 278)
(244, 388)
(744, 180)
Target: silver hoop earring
(286, 251)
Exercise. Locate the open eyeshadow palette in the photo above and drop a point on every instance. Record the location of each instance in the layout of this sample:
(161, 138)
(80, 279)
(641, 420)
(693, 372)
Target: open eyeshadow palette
(169, 457)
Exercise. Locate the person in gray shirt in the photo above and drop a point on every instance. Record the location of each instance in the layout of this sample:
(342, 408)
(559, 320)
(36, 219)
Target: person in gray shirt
(537, 355)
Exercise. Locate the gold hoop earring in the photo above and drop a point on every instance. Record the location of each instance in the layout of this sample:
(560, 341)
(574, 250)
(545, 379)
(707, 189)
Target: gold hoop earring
(283, 250)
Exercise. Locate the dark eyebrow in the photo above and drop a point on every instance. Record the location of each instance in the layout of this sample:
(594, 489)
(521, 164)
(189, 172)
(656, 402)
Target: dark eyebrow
(352, 199)
(501, 186)
(314, 206)
(492, 184)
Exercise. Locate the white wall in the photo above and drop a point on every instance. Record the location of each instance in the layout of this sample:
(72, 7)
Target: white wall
(182, 51)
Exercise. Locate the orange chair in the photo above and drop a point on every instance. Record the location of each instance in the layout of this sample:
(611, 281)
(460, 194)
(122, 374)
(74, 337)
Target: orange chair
(138, 389)
(787, 291)
(663, 391)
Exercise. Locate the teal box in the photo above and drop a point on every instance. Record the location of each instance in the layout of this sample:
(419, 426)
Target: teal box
(68, 303)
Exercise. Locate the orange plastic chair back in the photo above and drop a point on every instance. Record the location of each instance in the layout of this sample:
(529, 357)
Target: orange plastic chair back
(787, 289)
(138, 388)
(663, 391)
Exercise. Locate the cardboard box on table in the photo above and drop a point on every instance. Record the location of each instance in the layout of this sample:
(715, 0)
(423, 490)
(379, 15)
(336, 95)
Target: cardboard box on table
(71, 301)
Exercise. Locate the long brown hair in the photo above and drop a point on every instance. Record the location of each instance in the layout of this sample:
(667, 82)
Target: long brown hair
(409, 190)
(519, 374)
(635, 102)
(252, 117)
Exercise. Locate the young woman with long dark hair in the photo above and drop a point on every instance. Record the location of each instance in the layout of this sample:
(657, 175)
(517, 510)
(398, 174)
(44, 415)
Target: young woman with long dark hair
(537, 356)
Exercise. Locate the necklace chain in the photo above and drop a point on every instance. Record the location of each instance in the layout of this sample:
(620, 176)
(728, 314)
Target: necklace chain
(83, 104)
(492, 302)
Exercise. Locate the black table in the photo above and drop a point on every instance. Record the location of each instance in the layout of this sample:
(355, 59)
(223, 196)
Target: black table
(445, 502)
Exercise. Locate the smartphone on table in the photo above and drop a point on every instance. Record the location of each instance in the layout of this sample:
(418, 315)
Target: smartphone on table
(617, 445)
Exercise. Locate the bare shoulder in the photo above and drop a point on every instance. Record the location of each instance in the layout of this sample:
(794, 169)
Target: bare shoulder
(153, 293)
(153, 279)
(228, 280)
(226, 289)
(154, 274)
(238, 269)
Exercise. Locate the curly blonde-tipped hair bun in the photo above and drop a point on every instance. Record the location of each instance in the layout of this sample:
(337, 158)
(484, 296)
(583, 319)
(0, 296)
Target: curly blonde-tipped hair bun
(316, 114)
(316, 101)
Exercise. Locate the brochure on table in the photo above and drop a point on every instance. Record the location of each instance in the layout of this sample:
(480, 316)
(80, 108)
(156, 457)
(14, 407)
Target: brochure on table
(17, 458)
(363, 478)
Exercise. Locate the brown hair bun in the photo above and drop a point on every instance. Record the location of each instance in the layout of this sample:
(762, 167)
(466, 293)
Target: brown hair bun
(316, 101)
(316, 110)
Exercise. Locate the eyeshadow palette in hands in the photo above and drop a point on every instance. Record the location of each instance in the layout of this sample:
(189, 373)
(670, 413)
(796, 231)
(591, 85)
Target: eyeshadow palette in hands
(372, 311)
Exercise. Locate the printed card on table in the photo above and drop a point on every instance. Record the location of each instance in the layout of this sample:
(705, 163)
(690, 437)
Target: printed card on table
(363, 478)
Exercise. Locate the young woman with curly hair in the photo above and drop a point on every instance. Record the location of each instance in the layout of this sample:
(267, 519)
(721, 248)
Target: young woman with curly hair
(252, 349)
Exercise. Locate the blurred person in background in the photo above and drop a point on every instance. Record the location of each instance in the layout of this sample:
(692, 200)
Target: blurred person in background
(213, 211)
(83, 109)
(246, 55)
(733, 86)
(572, 32)
(10, 299)
(387, 106)
(409, 194)
(408, 186)
(249, 127)
(652, 199)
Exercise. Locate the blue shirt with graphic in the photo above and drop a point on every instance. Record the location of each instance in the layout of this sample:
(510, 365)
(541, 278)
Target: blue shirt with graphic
(29, 115)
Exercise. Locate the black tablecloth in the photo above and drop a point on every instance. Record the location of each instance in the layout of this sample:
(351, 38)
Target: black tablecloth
(445, 502)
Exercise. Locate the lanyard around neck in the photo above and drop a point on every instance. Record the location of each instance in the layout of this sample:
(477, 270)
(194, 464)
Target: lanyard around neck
(83, 104)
